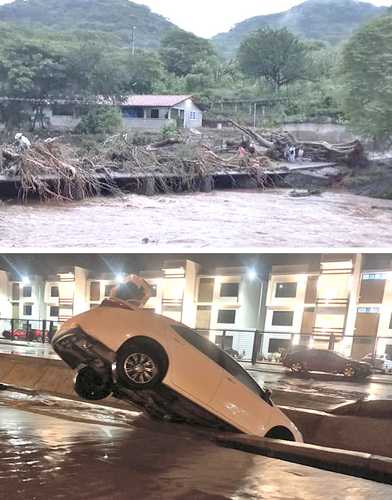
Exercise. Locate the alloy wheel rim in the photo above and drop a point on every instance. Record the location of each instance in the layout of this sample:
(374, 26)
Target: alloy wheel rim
(297, 367)
(140, 368)
(349, 371)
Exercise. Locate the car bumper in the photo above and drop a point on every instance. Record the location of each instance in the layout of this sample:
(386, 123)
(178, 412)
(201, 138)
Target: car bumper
(77, 348)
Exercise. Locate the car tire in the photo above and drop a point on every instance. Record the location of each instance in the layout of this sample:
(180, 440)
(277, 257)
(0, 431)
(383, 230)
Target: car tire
(297, 367)
(90, 385)
(6, 334)
(141, 365)
(281, 433)
(350, 372)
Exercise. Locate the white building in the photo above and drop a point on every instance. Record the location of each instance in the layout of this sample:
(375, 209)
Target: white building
(341, 302)
(146, 112)
(157, 111)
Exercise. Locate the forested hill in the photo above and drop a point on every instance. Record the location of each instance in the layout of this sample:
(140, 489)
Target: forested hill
(111, 16)
(330, 21)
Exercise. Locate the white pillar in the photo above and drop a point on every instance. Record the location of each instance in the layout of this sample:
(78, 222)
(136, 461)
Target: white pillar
(349, 330)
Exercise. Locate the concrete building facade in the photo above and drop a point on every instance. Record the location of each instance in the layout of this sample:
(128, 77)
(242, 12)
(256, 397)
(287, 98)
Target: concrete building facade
(343, 303)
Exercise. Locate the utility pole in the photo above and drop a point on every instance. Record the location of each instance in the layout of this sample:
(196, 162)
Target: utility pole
(133, 36)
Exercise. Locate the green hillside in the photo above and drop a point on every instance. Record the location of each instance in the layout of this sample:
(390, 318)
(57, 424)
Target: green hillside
(330, 21)
(110, 16)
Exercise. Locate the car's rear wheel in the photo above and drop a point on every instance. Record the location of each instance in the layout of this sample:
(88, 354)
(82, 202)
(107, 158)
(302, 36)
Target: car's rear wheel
(281, 433)
(141, 365)
(90, 385)
(350, 372)
(297, 367)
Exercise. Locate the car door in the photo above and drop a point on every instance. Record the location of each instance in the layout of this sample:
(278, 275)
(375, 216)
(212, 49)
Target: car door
(195, 370)
(239, 400)
(311, 360)
(332, 362)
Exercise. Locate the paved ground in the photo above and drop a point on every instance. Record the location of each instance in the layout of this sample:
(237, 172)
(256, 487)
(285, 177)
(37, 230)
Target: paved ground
(34, 349)
(83, 452)
(221, 219)
(316, 391)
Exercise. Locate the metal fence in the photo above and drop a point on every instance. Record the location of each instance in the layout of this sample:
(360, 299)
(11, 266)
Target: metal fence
(248, 345)
(27, 330)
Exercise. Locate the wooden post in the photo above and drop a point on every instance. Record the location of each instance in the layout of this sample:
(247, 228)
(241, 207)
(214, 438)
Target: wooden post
(149, 186)
(254, 114)
(43, 331)
(206, 184)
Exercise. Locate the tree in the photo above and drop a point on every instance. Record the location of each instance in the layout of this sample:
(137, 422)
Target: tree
(144, 71)
(29, 69)
(181, 50)
(100, 120)
(367, 77)
(95, 69)
(276, 55)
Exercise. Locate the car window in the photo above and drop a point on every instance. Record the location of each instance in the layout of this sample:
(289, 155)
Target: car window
(220, 357)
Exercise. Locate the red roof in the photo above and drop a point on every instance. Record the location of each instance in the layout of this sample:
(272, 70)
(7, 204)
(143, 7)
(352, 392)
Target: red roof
(156, 101)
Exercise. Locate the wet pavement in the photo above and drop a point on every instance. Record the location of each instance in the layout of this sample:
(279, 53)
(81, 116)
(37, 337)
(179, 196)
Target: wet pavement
(33, 349)
(219, 219)
(320, 391)
(315, 391)
(61, 456)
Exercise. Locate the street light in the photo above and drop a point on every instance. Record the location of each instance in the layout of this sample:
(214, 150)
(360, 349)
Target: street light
(252, 274)
(25, 280)
(119, 278)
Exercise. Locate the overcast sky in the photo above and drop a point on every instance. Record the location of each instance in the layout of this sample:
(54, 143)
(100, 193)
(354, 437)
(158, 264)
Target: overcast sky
(209, 17)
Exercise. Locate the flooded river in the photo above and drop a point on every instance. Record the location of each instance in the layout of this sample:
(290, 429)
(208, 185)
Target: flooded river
(221, 219)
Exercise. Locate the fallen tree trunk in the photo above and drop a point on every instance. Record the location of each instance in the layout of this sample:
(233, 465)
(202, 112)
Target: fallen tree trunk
(166, 142)
(351, 153)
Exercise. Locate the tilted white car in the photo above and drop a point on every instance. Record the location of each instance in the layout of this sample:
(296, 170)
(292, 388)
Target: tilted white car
(167, 369)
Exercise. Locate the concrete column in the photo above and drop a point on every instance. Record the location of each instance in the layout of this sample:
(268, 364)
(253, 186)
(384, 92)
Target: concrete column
(189, 303)
(351, 316)
(80, 299)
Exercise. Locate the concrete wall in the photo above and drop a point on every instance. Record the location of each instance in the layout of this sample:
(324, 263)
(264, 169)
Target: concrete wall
(189, 107)
(333, 133)
(39, 374)
(363, 434)
(147, 123)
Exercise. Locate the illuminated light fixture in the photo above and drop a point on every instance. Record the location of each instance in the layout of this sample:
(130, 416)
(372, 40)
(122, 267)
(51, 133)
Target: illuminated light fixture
(120, 278)
(252, 275)
(26, 280)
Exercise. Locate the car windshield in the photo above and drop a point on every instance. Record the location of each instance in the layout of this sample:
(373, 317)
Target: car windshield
(220, 357)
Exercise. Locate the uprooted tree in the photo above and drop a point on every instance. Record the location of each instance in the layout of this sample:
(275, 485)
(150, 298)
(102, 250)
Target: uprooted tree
(275, 144)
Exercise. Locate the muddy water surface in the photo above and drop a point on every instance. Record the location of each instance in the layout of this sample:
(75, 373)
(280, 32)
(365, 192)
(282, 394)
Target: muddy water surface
(42, 457)
(220, 219)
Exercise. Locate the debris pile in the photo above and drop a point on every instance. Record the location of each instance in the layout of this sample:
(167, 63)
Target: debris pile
(275, 144)
(55, 168)
(51, 169)
(44, 171)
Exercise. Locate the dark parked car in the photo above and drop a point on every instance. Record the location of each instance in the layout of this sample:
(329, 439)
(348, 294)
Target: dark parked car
(319, 360)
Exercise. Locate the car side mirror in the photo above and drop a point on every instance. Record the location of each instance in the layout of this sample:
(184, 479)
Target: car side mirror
(268, 395)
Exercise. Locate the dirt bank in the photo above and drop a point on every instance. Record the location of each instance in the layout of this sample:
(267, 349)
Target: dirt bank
(221, 219)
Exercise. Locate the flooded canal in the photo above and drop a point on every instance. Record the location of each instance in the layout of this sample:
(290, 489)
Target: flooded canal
(221, 219)
(44, 456)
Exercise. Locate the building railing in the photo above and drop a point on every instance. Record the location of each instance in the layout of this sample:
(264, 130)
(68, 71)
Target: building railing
(27, 330)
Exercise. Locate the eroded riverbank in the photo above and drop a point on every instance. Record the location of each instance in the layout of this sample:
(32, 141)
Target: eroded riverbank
(221, 219)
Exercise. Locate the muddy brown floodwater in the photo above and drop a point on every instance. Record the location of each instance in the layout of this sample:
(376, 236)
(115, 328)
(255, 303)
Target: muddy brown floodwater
(57, 457)
(220, 219)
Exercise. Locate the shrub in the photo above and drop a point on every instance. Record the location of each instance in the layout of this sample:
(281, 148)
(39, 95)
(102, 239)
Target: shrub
(100, 120)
